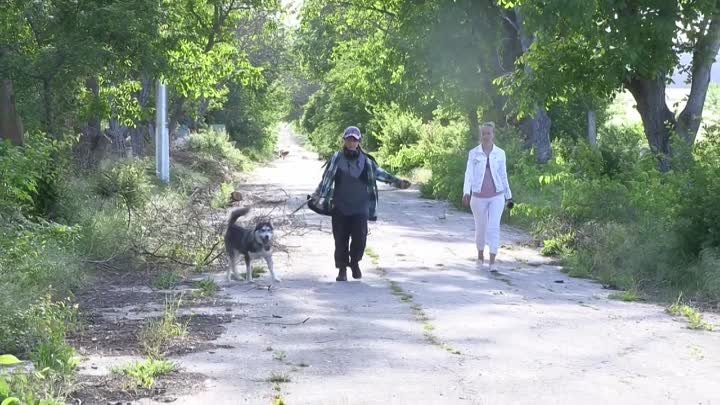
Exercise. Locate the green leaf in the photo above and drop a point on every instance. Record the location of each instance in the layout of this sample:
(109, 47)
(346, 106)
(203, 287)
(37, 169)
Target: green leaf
(9, 360)
(4, 388)
(11, 401)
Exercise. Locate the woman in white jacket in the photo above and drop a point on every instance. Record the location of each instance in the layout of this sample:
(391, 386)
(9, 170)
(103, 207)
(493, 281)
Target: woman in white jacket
(486, 191)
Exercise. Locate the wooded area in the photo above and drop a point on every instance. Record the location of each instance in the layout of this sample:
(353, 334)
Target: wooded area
(635, 205)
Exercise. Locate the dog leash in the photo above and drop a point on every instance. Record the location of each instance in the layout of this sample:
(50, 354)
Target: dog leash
(308, 200)
(300, 207)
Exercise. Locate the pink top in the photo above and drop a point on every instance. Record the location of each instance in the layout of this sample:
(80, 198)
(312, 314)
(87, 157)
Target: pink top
(488, 185)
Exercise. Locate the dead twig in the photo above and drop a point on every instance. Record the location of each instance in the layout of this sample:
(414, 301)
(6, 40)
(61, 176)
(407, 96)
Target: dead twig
(285, 323)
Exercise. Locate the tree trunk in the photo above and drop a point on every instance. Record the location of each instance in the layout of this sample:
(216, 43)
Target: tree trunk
(202, 112)
(137, 141)
(93, 144)
(11, 127)
(703, 59)
(658, 120)
(47, 104)
(117, 134)
(536, 130)
(93, 86)
(176, 109)
(474, 123)
(537, 127)
(139, 132)
(592, 128)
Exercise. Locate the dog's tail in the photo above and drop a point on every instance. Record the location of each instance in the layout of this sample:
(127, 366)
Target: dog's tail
(237, 214)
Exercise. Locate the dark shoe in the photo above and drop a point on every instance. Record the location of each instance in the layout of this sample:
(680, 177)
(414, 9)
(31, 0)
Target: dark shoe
(342, 274)
(356, 273)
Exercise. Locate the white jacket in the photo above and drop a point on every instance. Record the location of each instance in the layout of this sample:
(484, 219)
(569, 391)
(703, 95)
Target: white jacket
(475, 171)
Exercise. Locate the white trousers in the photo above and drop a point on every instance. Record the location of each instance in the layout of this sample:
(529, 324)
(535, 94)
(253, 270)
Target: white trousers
(487, 213)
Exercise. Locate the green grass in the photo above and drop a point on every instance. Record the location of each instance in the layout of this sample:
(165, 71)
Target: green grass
(279, 378)
(221, 197)
(627, 296)
(417, 309)
(375, 258)
(82, 229)
(158, 334)
(693, 316)
(143, 373)
(208, 288)
(167, 280)
(279, 356)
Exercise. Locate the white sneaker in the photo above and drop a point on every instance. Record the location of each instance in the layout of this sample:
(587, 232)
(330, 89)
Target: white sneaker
(492, 268)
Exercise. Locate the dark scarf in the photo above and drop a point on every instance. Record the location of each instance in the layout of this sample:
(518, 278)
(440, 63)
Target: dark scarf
(353, 162)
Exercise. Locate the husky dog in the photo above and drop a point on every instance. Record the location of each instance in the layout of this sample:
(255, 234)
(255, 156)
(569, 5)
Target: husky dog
(251, 245)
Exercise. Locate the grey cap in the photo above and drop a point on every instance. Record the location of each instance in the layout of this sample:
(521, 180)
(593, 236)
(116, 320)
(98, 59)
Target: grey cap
(353, 132)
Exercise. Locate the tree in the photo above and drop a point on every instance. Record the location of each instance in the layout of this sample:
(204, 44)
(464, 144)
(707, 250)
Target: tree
(599, 47)
(11, 127)
(418, 54)
(203, 51)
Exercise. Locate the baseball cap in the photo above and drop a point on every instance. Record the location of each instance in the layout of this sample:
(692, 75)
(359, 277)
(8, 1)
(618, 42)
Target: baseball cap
(353, 132)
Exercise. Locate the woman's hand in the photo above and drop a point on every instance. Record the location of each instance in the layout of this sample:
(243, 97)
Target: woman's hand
(466, 200)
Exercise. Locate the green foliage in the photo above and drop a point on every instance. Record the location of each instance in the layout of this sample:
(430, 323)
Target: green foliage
(208, 288)
(217, 145)
(397, 133)
(699, 218)
(570, 120)
(558, 245)
(36, 259)
(30, 174)
(34, 388)
(8, 360)
(249, 116)
(695, 319)
(166, 280)
(631, 226)
(221, 197)
(39, 332)
(196, 72)
(143, 373)
(626, 296)
(157, 335)
(328, 114)
(279, 378)
(129, 182)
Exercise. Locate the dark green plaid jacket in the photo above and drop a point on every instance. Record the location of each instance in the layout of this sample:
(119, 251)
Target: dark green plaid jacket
(325, 190)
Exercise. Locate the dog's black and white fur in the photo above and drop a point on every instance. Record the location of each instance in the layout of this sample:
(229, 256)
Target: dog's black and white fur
(255, 244)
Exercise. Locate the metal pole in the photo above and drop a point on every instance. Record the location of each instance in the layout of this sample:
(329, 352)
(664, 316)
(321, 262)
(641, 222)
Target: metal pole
(158, 128)
(592, 128)
(162, 141)
(165, 158)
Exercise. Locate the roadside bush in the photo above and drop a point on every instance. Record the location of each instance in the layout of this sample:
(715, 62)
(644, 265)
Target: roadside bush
(217, 145)
(127, 181)
(398, 133)
(614, 217)
(30, 175)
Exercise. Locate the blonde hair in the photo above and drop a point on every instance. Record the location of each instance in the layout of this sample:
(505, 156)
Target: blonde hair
(488, 124)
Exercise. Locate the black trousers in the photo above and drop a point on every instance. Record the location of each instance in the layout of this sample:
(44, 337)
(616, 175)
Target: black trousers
(344, 228)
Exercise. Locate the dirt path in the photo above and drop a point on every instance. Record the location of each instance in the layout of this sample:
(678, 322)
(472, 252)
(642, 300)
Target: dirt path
(424, 326)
